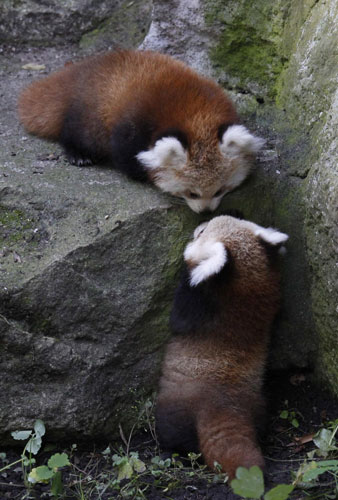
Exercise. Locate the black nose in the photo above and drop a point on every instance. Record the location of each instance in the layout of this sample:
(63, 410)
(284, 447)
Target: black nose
(206, 211)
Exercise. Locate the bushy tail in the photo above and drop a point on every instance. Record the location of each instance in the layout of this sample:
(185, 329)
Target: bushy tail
(43, 104)
(229, 439)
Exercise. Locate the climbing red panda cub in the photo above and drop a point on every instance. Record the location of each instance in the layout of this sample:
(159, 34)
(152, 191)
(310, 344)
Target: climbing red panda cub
(148, 115)
(210, 397)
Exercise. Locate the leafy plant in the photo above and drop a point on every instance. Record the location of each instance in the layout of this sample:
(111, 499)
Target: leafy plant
(50, 473)
(32, 447)
(290, 416)
(128, 465)
(325, 442)
(249, 483)
(44, 473)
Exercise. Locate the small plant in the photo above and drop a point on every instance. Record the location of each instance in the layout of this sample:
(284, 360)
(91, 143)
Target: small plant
(128, 465)
(32, 447)
(290, 415)
(325, 441)
(41, 474)
(249, 483)
(50, 473)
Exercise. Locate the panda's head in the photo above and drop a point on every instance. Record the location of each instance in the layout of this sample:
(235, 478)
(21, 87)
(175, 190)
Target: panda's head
(225, 241)
(201, 171)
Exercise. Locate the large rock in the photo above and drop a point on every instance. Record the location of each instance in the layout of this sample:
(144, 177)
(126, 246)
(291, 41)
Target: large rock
(88, 268)
(309, 95)
(104, 24)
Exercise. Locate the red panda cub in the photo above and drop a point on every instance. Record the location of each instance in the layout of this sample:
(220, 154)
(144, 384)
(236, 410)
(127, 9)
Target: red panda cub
(148, 115)
(210, 397)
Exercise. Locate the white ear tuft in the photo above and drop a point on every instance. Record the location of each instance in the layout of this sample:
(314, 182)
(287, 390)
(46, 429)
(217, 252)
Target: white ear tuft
(272, 236)
(237, 139)
(209, 257)
(167, 151)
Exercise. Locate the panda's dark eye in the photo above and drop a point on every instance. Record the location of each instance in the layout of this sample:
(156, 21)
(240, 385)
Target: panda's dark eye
(194, 196)
(218, 193)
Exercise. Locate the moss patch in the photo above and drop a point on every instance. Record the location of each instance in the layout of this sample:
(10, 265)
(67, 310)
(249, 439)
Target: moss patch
(245, 55)
(15, 226)
(249, 45)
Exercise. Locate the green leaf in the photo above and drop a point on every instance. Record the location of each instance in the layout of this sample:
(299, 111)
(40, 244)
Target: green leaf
(284, 414)
(28, 462)
(39, 428)
(156, 472)
(117, 460)
(137, 464)
(21, 434)
(155, 460)
(58, 460)
(318, 468)
(40, 474)
(2, 456)
(323, 440)
(57, 486)
(328, 463)
(34, 445)
(125, 471)
(295, 422)
(280, 492)
(249, 482)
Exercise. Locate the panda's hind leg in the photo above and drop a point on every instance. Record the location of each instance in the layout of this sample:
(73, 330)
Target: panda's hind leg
(175, 428)
(80, 139)
(78, 160)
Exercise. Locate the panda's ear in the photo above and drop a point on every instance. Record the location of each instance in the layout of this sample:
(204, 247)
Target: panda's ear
(238, 140)
(167, 151)
(204, 260)
(271, 236)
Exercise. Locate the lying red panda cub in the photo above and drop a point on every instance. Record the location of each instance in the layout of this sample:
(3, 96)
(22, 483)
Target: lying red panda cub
(148, 115)
(210, 390)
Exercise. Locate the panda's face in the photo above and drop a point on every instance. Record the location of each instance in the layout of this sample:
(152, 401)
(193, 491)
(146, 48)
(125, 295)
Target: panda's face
(205, 170)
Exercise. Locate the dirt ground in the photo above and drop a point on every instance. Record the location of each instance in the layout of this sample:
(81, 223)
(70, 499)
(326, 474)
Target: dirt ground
(294, 392)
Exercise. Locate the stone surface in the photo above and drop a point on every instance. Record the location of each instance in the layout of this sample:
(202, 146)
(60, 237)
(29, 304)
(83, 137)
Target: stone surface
(309, 95)
(178, 28)
(126, 28)
(104, 25)
(87, 272)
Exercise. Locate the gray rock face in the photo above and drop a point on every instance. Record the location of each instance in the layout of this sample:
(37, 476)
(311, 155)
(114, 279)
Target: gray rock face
(105, 24)
(178, 28)
(310, 97)
(87, 273)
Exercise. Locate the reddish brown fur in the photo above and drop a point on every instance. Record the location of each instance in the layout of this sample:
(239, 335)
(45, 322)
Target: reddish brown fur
(212, 376)
(109, 83)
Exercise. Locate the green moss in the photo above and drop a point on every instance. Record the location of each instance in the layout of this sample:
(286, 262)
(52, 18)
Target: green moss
(245, 55)
(250, 41)
(14, 226)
